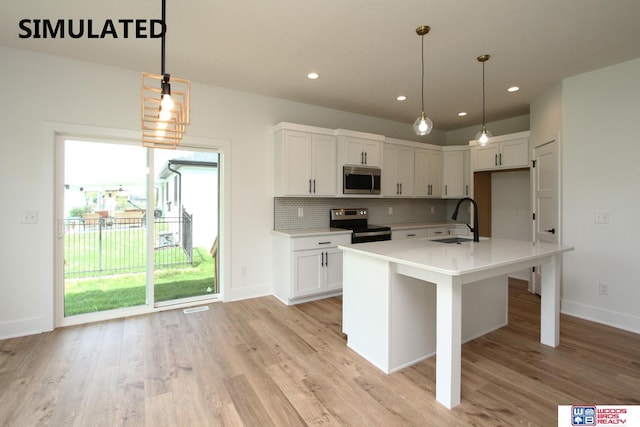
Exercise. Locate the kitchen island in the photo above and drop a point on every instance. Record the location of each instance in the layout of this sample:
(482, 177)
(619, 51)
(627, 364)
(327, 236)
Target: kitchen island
(404, 299)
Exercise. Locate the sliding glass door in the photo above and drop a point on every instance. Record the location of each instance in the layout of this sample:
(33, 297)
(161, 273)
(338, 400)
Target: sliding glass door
(140, 226)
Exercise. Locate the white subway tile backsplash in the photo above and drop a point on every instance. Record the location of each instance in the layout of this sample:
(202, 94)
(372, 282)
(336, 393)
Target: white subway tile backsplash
(316, 210)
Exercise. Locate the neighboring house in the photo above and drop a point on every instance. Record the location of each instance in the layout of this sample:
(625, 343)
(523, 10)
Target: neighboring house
(193, 184)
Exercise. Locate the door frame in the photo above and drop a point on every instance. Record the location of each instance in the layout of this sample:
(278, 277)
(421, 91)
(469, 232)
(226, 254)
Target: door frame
(535, 282)
(55, 134)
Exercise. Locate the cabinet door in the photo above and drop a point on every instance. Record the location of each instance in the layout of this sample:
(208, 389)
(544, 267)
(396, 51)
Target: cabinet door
(434, 173)
(372, 152)
(353, 151)
(421, 162)
(323, 165)
(297, 152)
(308, 274)
(453, 174)
(485, 157)
(390, 183)
(405, 170)
(515, 153)
(333, 269)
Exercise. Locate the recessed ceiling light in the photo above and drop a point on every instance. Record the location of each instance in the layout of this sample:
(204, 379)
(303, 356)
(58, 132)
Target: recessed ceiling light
(313, 76)
(513, 89)
(401, 98)
(462, 113)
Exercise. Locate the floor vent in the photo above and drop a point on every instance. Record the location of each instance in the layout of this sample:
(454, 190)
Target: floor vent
(195, 309)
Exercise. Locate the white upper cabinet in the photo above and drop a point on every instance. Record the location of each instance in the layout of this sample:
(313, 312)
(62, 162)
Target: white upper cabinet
(428, 173)
(397, 172)
(502, 152)
(358, 148)
(455, 172)
(305, 162)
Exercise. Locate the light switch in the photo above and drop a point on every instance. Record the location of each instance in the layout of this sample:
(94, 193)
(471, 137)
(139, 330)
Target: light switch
(601, 218)
(29, 217)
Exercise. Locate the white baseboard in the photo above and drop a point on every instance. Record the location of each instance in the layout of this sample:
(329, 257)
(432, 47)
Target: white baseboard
(23, 327)
(623, 321)
(255, 291)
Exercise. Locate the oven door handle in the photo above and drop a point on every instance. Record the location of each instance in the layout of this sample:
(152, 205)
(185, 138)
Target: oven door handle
(372, 183)
(372, 233)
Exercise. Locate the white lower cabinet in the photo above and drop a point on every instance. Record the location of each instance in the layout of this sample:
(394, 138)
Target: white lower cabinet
(308, 267)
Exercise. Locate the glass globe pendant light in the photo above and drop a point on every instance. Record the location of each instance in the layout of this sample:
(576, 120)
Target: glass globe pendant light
(484, 135)
(423, 124)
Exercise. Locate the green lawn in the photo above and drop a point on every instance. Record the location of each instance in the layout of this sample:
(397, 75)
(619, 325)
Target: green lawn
(85, 295)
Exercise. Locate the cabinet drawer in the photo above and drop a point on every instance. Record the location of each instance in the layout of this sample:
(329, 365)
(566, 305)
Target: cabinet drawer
(324, 241)
(411, 233)
(437, 232)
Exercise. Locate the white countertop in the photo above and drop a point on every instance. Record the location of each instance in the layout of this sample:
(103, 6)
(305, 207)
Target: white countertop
(307, 232)
(456, 259)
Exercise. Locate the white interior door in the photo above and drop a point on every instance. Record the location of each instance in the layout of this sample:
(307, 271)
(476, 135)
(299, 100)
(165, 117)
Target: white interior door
(546, 190)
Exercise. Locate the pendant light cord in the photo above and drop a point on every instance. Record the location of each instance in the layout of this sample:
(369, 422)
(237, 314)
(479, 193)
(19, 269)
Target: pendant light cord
(422, 86)
(483, 101)
(164, 24)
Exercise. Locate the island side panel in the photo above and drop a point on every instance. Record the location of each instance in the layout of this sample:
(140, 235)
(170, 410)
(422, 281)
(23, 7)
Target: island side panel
(485, 307)
(365, 307)
(412, 322)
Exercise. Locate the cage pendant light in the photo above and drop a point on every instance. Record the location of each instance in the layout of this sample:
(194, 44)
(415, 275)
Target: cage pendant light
(484, 135)
(165, 104)
(423, 124)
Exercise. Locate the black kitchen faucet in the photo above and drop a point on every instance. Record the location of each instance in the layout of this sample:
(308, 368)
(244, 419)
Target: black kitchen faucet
(474, 230)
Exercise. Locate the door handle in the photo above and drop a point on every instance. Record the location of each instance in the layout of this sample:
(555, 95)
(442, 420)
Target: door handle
(552, 231)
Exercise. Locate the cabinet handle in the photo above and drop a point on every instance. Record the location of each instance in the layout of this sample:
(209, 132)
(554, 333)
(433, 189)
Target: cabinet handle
(438, 232)
(314, 186)
(500, 159)
(397, 188)
(496, 160)
(362, 157)
(365, 157)
(324, 243)
(322, 259)
(411, 235)
(400, 188)
(309, 186)
(326, 259)
(445, 190)
(466, 189)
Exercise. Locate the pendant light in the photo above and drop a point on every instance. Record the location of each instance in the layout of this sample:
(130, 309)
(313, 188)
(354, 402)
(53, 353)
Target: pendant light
(165, 109)
(423, 124)
(484, 135)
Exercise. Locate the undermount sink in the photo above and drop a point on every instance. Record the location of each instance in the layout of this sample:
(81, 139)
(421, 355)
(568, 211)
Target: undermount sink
(457, 240)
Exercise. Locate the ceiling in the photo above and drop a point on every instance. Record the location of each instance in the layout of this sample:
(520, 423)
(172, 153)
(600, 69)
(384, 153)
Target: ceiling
(366, 51)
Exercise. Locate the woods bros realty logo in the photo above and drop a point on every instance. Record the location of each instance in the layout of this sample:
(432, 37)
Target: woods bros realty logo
(598, 415)
(91, 29)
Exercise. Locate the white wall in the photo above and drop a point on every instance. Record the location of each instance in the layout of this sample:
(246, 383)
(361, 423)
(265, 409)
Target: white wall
(600, 173)
(39, 89)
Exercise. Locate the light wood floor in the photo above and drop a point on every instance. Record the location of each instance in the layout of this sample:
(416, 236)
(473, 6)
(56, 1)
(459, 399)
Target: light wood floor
(260, 363)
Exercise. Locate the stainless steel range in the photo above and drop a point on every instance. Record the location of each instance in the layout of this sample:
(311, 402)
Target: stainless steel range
(357, 221)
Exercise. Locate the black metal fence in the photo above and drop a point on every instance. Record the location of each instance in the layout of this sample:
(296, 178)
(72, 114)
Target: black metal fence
(100, 245)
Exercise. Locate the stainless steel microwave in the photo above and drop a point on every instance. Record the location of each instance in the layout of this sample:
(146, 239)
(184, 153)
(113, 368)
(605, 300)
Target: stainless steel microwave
(361, 180)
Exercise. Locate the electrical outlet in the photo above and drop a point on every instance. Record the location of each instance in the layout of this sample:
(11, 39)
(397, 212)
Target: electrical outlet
(29, 217)
(300, 212)
(390, 210)
(601, 218)
(433, 209)
(603, 288)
